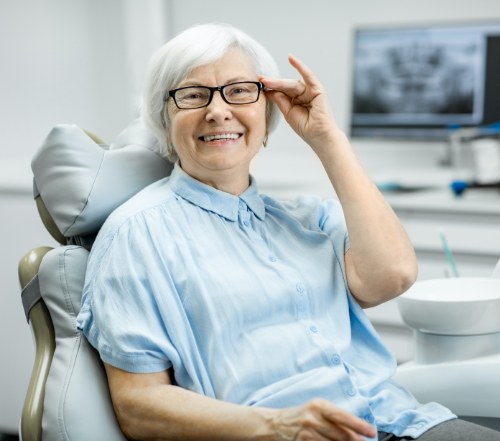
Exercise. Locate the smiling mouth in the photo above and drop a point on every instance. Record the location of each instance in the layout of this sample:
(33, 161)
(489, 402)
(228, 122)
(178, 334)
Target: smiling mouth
(220, 137)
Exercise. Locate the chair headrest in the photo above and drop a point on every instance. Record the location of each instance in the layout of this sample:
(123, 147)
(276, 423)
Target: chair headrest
(82, 181)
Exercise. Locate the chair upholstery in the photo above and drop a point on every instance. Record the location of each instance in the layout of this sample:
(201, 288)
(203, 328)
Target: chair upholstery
(78, 181)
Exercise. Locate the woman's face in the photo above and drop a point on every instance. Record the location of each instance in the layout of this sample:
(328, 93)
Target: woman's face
(220, 161)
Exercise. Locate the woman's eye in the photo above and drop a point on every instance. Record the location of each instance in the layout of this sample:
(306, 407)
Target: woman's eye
(238, 91)
(194, 94)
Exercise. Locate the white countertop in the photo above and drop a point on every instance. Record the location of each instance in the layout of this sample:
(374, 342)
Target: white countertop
(485, 201)
(428, 189)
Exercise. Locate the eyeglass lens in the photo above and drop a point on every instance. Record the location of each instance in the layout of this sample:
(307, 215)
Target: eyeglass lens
(199, 96)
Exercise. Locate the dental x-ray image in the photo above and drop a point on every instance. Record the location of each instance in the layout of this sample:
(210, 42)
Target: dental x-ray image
(418, 76)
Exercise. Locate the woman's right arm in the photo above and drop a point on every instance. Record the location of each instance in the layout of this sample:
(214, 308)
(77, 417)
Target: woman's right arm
(148, 406)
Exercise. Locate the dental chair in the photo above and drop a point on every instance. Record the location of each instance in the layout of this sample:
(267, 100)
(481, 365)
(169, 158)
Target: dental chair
(78, 181)
(456, 323)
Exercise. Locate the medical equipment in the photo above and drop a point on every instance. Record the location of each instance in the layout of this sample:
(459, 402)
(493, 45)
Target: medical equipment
(456, 323)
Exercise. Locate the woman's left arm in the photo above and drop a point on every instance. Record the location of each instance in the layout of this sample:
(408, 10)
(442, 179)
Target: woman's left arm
(381, 262)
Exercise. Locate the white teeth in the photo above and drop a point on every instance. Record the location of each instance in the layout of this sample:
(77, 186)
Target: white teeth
(209, 138)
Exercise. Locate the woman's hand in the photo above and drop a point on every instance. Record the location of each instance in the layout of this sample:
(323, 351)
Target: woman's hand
(319, 420)
(304, 105)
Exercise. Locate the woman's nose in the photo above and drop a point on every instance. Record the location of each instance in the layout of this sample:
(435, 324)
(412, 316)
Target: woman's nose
(218, 109)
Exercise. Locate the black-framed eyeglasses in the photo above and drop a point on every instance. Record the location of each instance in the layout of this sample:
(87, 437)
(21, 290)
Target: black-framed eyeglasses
(195, 97)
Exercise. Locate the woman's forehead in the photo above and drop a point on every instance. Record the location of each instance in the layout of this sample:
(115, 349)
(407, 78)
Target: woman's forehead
(235, 65)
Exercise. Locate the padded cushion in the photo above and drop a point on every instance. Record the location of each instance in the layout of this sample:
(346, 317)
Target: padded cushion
(77, 405)
(81, 181)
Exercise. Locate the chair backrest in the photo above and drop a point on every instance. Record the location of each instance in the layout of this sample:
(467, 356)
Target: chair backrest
(78, 181)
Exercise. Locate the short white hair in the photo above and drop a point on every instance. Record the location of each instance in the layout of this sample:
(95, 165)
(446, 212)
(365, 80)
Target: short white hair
(194, 47)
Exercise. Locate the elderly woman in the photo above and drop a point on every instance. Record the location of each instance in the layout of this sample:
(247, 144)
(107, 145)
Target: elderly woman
(223, 314)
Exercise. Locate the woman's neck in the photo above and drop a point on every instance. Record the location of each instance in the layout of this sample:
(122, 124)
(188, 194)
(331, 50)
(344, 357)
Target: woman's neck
(230, 182)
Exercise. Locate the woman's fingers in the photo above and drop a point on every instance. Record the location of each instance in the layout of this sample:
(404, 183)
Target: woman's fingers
(304, 71)
(334, 432)
(294, 87)
(319, 419)
(291, 88)
(338, 423)
(283, 101)
(300, 91)
(349, 421)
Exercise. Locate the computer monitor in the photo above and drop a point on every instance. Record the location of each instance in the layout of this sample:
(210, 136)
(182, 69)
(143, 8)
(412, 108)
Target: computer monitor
(420, 82)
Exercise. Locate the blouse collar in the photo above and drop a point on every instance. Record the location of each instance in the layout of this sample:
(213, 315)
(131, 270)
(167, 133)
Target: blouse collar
(217, 201)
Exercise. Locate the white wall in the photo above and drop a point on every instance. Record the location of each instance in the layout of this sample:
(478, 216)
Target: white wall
(61, 61)
(82, 61)
(71, 61)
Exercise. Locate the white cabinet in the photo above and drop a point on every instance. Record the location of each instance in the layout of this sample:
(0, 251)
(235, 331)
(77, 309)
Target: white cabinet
(470, 223)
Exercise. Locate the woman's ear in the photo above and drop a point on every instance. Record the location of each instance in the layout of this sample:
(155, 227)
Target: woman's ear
(268, 114)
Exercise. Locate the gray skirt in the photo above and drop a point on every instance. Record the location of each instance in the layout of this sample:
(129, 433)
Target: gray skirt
(453, 430)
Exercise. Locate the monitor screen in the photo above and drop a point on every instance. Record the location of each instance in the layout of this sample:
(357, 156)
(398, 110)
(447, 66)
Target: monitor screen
(420, 82)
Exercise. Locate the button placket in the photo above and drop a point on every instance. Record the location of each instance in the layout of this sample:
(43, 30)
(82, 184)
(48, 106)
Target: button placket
(314, 329)
(351, 392)
(302, 305)
(243, 214)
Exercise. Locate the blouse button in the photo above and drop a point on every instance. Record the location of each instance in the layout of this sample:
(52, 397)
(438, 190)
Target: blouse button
(369, 419)
(335, 359)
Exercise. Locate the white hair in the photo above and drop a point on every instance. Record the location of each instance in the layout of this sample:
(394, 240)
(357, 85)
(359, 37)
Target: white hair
(194, 47)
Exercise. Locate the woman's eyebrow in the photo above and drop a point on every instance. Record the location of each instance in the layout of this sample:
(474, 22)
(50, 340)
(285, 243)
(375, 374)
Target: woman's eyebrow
(190, 83)
(195, 83)
(238, 79)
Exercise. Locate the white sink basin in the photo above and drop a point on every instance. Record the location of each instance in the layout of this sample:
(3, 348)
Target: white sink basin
(453, 306)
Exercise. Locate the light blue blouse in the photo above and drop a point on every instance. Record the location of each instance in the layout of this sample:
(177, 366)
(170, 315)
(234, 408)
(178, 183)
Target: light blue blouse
(246, 298)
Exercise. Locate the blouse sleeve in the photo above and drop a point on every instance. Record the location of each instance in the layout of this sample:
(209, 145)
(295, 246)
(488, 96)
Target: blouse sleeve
(331, 220)
(119, 314)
